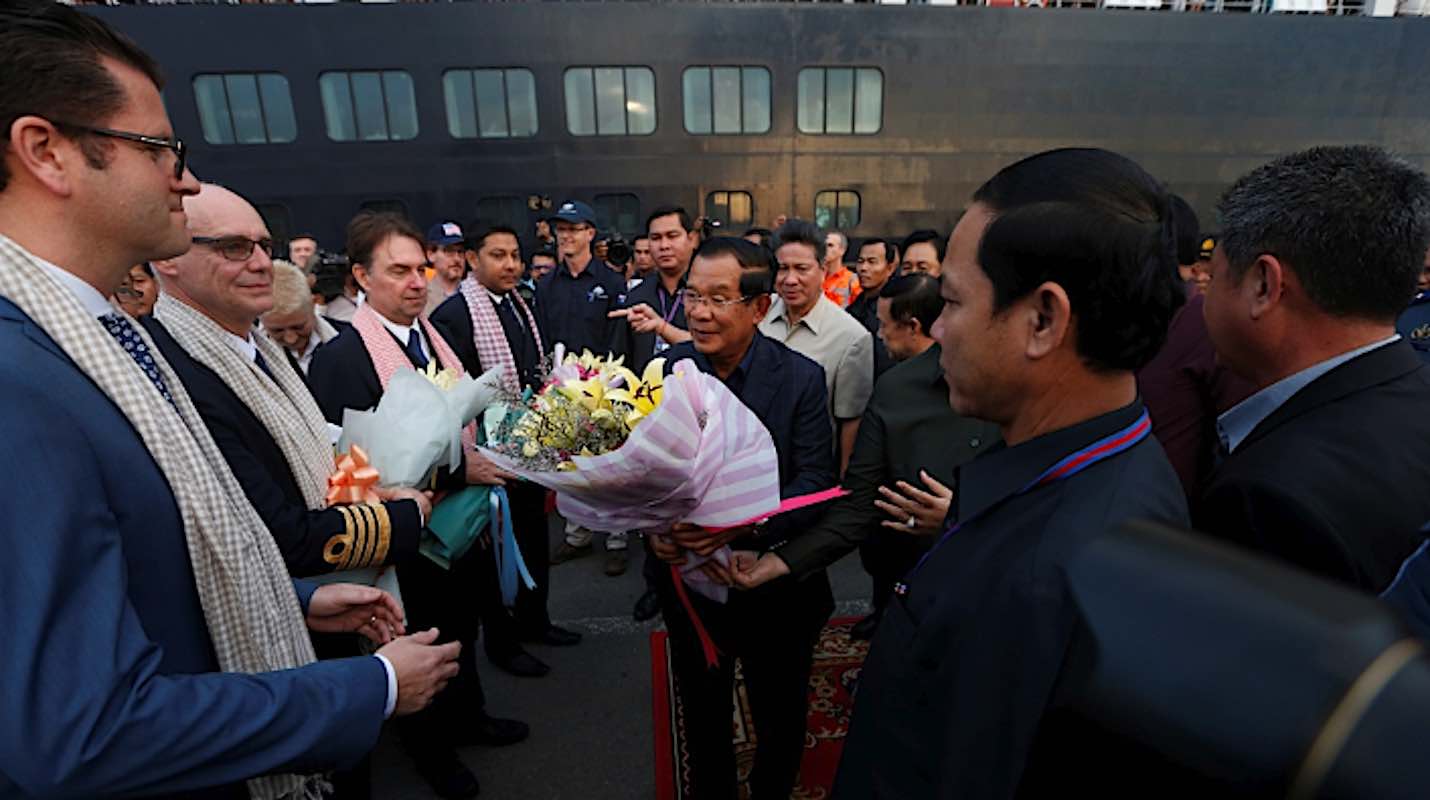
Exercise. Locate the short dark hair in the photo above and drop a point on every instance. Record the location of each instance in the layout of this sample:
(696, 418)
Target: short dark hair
(1189, 236)
(1353, 223)
(890, 252)
(686, 223)
(304, 235)
(544, 252)
(798, 231)
(50, 67)
(369, 229)
(1096, 224)
(913, 297)
(638, 237)
(757, 275)
(933, 237)
(479, 231)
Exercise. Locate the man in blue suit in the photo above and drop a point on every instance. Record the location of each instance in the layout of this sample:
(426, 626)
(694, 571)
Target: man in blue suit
(154, 642)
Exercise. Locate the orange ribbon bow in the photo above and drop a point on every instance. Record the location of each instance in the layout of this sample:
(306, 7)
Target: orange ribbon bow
(354, 480)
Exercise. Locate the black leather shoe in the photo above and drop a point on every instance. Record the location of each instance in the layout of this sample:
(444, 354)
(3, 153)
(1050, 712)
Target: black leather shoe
(647, 606)
(521, 664)
(494, 732)
(554, 636)
(449, 777)
(864, 628)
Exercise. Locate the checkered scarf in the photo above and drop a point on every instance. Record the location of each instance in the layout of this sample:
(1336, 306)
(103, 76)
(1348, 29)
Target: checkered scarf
(250, 607)
(388, 356)
(281, 402)
(489, 337)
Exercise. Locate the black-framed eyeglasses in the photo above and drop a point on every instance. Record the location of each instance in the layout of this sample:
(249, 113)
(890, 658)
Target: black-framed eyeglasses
(235, 248)
(175, 146)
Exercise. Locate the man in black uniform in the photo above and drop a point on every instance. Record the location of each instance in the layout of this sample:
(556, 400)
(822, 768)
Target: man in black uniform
(508, 334)
(389, 332)
(772, 630)
(1059, 282)
(260, 413)
(1319, 250)
(575, 299)
(653, 311)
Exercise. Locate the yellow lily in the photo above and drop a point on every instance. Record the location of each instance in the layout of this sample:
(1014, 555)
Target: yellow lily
(641, 395)
(590, 393)
(443, 379)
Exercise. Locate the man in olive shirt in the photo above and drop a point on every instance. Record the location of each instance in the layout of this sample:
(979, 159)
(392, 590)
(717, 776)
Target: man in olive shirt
(908, 431)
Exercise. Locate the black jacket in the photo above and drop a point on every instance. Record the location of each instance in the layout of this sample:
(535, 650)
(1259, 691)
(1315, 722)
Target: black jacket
(1335, 480)
(639, 348)
(303, 535)
(453, 320)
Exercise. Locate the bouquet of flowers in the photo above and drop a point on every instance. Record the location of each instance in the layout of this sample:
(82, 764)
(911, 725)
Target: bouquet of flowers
(641, 453)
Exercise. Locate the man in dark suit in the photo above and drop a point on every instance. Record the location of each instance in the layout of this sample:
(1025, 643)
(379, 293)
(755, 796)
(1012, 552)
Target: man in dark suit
(772, 629)
(1327, 462)
(133, 662)
(513, 341)
(390, 332)
(1059, 281)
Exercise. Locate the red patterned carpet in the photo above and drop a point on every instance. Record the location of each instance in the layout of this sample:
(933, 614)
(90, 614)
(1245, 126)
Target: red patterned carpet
(837, 661)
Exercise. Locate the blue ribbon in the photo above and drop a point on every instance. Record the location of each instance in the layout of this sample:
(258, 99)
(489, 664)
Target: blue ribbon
(508, 556)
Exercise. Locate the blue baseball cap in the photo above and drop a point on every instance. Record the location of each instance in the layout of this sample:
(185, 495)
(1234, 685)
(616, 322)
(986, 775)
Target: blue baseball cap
(445, 233)
(575, 211)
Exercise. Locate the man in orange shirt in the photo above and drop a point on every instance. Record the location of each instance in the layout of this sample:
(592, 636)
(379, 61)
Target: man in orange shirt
(840, 283)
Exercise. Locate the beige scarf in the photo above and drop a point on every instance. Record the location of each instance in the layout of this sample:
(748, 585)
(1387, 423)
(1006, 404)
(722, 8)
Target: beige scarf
(282, 403)
(251, 609)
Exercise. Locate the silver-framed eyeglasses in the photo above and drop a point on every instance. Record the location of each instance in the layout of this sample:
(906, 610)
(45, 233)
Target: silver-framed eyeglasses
(695, 300)
(235, 248)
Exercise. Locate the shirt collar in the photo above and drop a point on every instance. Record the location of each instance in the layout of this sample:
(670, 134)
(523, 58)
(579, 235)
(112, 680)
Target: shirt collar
(89, 297)
(402, 332)
(1004, 471)
(244, 346)
(813, 320)
(741, 369)
(1237, 422)
(314, 339)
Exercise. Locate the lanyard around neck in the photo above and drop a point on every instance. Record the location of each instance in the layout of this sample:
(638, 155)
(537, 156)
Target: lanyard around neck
(1072, 464)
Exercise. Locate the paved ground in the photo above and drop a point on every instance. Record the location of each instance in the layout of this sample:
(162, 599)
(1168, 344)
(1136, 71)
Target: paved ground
(591, 717)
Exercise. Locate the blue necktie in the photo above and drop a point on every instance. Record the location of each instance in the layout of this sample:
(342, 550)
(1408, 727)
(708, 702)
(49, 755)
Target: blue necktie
(263, 364)
(123, 332)
(414, 349)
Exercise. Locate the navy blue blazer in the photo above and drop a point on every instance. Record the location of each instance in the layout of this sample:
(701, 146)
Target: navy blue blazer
(109, 675)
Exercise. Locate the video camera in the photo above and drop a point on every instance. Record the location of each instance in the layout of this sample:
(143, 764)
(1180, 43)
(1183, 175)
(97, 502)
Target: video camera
(330, 273)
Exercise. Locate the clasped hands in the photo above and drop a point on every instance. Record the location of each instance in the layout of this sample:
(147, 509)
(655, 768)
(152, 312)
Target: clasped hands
(422, 667)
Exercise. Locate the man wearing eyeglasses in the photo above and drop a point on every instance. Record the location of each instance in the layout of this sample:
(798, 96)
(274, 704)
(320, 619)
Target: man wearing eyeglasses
(812, 324)
(154, 642)
(772, 630)
(574, 299)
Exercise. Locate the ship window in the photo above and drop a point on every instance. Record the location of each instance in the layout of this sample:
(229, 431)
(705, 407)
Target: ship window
(727, 100)
(507, 210)
(841, 100)
(490, 103)
(610, 101)
(731, 209)
(245, 108)
(369, 106)
(837, 209)
(618, 212)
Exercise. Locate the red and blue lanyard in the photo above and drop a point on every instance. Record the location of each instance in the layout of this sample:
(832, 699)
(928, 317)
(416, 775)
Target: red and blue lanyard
(1076, 462)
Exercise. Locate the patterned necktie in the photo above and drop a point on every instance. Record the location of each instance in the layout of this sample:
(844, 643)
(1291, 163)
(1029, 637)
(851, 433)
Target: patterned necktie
(128, 338)
(505, 308)
(414, 349)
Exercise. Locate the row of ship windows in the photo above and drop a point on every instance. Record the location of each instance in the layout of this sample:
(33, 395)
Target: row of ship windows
(378, 106)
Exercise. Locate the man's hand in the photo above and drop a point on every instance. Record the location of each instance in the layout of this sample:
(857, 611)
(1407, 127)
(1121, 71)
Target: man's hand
(666, 549)
(352, 608)
(422, 668)
(641, 317)
(927, 509)
(423, 499)
(751, 570)
(703, 542)
(482, 472)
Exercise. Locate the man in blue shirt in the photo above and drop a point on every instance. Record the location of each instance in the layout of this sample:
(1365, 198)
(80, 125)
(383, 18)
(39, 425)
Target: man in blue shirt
(772, 629)
(1319, 250)
(575, 299)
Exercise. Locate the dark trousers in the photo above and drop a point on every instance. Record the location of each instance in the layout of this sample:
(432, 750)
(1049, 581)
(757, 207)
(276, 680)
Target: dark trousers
(446, 600)
(888, 557)
(772, 631)
(504, 626)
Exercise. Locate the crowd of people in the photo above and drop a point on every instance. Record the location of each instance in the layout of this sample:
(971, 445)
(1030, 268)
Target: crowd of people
(189, 615)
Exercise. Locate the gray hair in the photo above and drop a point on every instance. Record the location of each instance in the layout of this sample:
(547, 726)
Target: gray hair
(1353, 223)
(291, 292)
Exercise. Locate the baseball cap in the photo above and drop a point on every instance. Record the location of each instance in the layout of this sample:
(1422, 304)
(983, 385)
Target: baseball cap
(444, 233)
(575, 211)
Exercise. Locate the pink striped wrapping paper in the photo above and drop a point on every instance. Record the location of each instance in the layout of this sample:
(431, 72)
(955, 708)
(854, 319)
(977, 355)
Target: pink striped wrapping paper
(672, 469)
